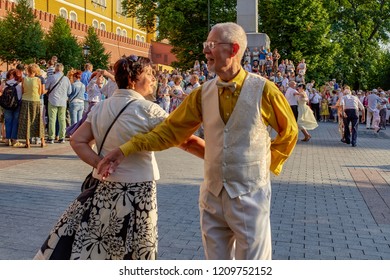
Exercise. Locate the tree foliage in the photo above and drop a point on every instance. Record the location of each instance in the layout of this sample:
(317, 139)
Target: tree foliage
(61, 43)
(299, 29)
(184, 23)
(339, 39)
(97, 56)
(359, 26)
(21, 36)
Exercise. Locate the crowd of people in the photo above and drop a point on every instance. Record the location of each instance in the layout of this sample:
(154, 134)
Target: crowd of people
(51, 101)
(58, 103)
(323, 100)
(117, 217)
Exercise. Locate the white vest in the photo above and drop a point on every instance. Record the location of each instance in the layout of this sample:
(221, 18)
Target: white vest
(237, 155)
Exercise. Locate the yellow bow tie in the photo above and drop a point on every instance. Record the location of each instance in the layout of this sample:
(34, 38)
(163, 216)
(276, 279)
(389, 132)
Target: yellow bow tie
(231, 86)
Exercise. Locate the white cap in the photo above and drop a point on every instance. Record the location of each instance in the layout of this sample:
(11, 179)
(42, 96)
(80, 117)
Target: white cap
(374, 90)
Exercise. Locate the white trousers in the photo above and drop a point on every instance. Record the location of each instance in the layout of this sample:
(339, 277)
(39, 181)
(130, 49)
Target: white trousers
(237, 228)
(369, 117)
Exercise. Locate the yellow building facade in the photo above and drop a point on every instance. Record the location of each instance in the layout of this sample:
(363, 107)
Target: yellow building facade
(120, 35)
(106, 15)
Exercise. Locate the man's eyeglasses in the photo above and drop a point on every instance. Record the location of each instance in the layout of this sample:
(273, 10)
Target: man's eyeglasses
(211, 45)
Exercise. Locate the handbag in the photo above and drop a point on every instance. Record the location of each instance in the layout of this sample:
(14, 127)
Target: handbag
(90, 181)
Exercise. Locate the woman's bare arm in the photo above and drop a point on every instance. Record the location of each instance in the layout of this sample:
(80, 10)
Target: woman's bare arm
(81, 142)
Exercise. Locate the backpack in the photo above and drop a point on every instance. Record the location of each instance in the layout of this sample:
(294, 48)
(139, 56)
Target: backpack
(9, 99)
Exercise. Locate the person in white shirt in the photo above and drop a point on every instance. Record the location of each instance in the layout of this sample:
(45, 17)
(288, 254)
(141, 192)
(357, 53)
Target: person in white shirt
(285, 81)
(282, 67)
(372, 100)
(110, 86)
(291, 96)
(194, 83)
(119, 214)
(315, 99)
(94, 88)
(301, 68)
(351, 105)
(247, 66)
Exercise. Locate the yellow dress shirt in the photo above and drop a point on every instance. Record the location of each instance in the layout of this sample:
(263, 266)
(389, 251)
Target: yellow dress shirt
(186, 119)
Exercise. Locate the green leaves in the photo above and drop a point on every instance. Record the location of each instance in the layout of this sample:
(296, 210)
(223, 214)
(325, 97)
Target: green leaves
(60, 42)
(183, 23)
(21, 36)
(97, 56)
(338, 38)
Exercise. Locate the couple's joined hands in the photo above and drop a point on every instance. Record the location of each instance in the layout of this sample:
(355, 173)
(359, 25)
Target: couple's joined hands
(110, 162)
(106, 166)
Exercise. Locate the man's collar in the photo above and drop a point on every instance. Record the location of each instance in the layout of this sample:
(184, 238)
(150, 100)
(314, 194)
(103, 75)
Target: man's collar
(239, 79)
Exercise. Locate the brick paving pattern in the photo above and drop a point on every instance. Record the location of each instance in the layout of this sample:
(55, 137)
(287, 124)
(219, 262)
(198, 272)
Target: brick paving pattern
(331, 201)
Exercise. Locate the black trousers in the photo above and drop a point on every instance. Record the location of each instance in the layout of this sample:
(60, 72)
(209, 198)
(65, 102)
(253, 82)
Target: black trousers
(353, 118)
(316, 110)
(294, 108)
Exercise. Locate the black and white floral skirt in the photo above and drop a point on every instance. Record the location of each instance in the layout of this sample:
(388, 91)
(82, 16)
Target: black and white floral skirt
(114, 221)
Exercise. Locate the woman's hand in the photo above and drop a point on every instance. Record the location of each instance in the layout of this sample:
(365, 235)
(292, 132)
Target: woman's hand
(194, 145)
(110, 162)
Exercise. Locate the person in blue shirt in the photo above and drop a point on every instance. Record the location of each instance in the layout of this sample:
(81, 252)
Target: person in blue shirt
(263, 58)
(85, 77)
(335, 85)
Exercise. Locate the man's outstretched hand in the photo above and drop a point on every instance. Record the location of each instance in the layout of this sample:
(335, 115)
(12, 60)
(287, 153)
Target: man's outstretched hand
(110, 162)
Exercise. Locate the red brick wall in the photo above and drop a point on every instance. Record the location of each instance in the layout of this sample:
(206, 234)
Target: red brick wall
(161, 53)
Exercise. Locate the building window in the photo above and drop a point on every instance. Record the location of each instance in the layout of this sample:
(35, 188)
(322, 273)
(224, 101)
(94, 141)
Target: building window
(100, 3)
(118, 31)
(138, 38)
(124, 33)
(142, 39)
(119, 8)
(103, 26)
(95, 23)
(64, 13)
(73, 16)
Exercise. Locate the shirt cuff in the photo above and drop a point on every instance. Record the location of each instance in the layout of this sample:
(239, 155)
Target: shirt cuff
(127, 148)
(277, 161)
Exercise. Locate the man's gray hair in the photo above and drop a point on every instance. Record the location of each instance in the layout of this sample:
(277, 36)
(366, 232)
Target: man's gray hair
(59, 67)
(233, 33)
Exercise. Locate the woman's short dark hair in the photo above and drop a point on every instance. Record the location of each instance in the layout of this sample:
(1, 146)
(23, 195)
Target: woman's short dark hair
(128, 69)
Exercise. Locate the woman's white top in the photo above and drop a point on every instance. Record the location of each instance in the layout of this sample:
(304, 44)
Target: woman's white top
(140, 116)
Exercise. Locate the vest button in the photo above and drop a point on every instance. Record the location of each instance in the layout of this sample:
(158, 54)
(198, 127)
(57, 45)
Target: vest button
(224, 164)
(225, 147)
(226, 130)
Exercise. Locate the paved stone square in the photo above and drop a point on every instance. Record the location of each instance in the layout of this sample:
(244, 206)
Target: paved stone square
(331, 201)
